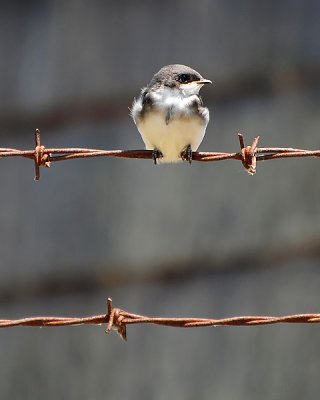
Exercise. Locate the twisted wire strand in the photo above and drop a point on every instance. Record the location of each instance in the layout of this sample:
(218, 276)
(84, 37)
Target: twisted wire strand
(118, 319)
(248, 155)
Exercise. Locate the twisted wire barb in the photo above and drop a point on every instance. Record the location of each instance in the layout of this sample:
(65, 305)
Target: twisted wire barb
(248, 155)
(118, 319)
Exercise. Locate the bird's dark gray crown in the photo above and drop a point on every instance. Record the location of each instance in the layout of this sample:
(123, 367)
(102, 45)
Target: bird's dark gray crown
(173, 76)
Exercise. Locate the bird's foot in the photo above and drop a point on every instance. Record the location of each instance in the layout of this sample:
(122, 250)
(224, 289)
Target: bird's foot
(186, 154)
(155, 155)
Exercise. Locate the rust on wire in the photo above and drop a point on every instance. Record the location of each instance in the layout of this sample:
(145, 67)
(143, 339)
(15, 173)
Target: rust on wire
(118, 319)
(40, 156)
(248, 155)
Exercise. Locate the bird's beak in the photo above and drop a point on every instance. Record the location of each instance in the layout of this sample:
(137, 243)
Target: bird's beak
(203, 81)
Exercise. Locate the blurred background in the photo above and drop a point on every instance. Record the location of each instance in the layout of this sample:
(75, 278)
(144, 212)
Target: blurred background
(175, 240)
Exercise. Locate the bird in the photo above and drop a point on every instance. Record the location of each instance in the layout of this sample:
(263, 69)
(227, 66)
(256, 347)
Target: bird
(170, 115)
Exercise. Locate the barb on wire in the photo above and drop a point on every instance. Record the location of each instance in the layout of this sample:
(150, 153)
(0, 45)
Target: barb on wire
(118, 319)
(248, 155)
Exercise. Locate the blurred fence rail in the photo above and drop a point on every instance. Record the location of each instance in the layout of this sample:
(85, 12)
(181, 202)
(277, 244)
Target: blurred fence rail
(248, 155)
(118, 319)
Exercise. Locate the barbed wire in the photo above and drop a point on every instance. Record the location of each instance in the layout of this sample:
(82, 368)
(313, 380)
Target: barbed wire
(118, 319)
(248, 155)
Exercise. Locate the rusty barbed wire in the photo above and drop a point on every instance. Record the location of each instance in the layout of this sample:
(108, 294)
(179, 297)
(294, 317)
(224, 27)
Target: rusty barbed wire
(118, 319)
(248, 155)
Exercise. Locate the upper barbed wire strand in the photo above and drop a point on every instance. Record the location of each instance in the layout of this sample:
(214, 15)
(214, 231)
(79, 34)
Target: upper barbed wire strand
(248, 155)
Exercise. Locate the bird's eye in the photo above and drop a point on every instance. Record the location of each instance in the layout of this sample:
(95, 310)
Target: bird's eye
(183, 78)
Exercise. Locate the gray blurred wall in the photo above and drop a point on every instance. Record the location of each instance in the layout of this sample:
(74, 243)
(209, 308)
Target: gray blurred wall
(199, 240)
